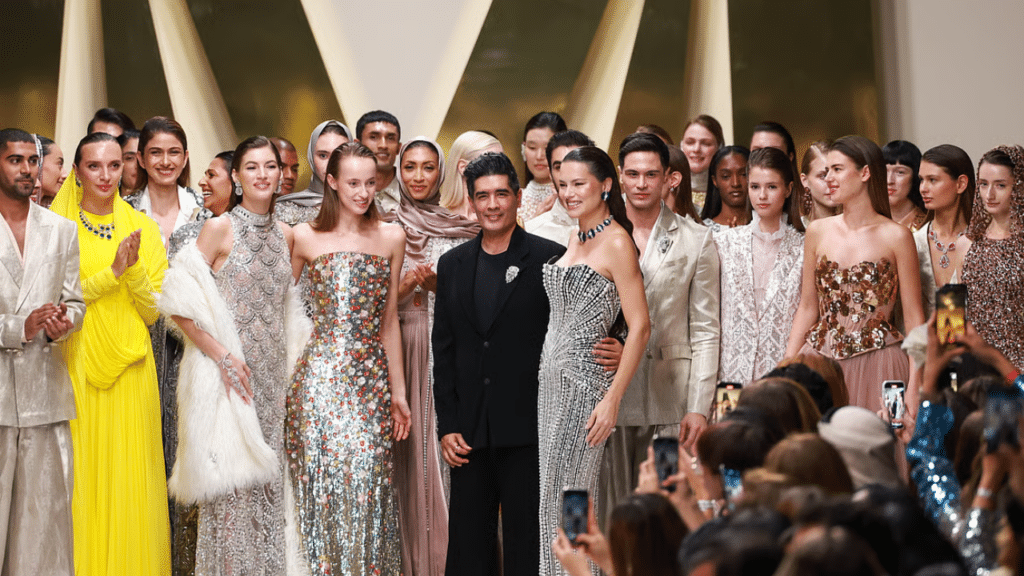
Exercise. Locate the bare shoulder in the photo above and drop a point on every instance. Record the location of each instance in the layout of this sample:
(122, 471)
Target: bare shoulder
(392, 234)
(895, 233)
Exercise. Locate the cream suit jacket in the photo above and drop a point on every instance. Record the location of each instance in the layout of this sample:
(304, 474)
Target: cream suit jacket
(678, 369)
(35, 387)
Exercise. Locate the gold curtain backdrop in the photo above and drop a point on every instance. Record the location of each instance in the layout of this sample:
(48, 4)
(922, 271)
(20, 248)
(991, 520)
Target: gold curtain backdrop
(807, 64)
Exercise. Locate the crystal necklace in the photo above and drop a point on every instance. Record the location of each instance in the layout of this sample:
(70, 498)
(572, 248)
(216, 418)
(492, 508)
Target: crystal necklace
(945, 249)
(584, 236)
(105, 231)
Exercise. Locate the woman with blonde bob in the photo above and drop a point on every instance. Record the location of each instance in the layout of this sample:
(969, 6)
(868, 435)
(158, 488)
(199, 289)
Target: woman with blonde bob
(464, 150)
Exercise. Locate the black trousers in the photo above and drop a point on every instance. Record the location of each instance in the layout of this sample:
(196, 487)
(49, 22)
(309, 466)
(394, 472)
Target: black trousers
(509, 477)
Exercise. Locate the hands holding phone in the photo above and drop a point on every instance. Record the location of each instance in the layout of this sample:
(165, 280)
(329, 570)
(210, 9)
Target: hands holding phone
(592, 544)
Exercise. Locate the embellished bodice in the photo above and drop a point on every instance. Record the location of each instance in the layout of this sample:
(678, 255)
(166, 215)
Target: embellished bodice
(584, 306)
(992, 271)
(348, 291)
(294, 214)
(534, 195)
(855, 308)
(254, 281)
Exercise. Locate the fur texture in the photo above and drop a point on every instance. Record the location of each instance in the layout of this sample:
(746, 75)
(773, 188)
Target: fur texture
(220, 445)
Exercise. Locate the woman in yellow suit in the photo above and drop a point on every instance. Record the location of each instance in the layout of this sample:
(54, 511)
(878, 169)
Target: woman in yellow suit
(120, 493)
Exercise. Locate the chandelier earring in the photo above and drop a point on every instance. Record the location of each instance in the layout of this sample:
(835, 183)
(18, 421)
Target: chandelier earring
(238, 189)
(807, 201)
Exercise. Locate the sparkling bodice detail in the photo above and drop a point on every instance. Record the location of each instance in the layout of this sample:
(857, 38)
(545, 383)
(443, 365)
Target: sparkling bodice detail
(855, 308)
(994, 273)
(534, 196)
(352, 307)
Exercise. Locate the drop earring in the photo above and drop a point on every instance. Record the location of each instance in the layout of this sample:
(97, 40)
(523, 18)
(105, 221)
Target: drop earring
(605, 195)
(238, 189)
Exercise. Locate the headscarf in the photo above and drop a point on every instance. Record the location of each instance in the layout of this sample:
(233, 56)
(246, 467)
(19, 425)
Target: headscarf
(423, 219)
(980, 218)
(314, 195)
(866, 444)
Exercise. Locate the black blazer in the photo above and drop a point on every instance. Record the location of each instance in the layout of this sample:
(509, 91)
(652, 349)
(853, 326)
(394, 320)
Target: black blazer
(485, 385)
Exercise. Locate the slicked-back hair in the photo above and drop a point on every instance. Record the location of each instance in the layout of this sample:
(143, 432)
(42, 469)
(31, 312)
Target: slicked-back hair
(92, 138)
(552, 121)
(713, 199)
(8, 135)
(247, 145)
(569, 138)
(490, 164)
(955, 162)
(331, 205)
(864, 152)
(601, 167)
(377, 116)
(111, 116)
(644, 142)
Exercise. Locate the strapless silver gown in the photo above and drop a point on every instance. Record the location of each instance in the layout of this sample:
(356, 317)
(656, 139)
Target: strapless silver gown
(584, 305)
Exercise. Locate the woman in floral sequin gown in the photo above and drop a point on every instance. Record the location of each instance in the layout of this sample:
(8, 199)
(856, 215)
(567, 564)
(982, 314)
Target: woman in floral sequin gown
(346, 405)
(994, 266)
(856, 266)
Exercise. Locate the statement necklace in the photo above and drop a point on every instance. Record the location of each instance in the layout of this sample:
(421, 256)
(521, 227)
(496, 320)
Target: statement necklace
(584, 236)
(102, 230)
(951, 247)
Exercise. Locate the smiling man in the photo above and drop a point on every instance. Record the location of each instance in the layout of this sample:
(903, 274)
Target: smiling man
(676, 378)
(380, 132)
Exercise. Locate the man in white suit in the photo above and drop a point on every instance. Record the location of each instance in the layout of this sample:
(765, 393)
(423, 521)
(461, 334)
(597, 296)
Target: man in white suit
(675, 381)
(40, 304)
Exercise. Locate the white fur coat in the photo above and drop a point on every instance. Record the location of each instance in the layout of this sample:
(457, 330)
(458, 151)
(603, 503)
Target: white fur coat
(220, 446)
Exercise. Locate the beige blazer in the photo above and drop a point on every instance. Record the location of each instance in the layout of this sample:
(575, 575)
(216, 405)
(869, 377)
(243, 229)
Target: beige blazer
(681, 280)
(35, 388)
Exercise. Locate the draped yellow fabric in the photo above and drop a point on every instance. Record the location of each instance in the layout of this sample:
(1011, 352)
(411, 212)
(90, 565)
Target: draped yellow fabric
(120, 493)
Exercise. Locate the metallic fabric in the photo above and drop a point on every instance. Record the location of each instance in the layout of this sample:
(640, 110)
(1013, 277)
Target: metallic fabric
(855, 308)
(584, 305)
(244, 533)
(930, 470)
(338, 428)
(294, 214)
(978, 541)
(995, 281)
(534, 195)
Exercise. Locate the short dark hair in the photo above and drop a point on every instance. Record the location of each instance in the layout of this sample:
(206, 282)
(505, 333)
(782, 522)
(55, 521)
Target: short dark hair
(15, 135)
(126, 136)
(490, 164)
(741, 441)
(552, 121)
(907, 154)
(644, 142)
(377, 116)
(657, 131)
(776, 128)
(111, 116)
(571, 138)
(283, 144)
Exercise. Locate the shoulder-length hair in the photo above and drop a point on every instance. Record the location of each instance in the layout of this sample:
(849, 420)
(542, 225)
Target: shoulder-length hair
(777, 161)
(162, 125)
(328, 216)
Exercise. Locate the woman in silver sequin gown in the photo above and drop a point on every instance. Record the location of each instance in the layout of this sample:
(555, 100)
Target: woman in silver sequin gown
(346, 405)
(249, 254)
(578, 400)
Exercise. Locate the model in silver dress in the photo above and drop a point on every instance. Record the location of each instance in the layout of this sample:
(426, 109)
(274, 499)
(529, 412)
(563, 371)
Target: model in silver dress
(584, 306)
(244, 533)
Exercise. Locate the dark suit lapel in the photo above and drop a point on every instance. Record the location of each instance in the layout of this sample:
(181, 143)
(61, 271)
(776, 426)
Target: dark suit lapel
(465, 281)
(518, 251)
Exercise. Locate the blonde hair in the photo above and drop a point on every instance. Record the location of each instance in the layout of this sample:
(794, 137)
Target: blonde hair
(467, 146)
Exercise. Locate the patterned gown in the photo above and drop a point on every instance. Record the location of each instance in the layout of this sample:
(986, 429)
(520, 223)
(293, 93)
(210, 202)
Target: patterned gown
(244, 533)
(338, 428)
(584, 305)
(855, 326)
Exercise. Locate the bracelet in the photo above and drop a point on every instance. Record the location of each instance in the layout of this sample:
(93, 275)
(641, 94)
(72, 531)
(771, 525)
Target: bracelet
(706, 505)
(225, 362)
(984, 492)
(1012, 376)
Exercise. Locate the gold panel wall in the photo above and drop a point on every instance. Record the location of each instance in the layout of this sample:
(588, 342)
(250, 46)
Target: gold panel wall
(30, 56)
(807, 64)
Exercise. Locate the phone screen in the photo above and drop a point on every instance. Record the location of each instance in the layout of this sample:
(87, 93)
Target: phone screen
(1001, 413)
(574, 513)
(727, 395)
(666, 459)
(950, 317)
(895, 405)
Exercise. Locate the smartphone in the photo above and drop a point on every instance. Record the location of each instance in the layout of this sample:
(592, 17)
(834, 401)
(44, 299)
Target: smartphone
(666, 458)
(574, 513)
(950, 315)
(1001, 412)
(727, 394)
(894, 401)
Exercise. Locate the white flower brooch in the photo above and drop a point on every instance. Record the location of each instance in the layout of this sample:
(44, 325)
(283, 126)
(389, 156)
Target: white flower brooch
(511, 274)
(663, 244)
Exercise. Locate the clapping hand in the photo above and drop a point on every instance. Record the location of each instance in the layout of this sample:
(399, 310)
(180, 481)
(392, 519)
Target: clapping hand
(127, 253)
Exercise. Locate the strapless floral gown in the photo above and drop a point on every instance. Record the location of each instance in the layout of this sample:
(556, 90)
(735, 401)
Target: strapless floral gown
(855, 326)
(584, 305)
(338, 441)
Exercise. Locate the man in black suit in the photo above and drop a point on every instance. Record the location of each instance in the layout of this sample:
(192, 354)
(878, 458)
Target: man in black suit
(490, 319)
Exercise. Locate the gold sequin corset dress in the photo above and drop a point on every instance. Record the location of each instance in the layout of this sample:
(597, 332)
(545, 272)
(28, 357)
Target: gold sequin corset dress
(855, 308)
(584, 305)
(338, 442)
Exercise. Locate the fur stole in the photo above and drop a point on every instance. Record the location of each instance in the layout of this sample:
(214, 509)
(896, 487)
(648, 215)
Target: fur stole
(221, 447)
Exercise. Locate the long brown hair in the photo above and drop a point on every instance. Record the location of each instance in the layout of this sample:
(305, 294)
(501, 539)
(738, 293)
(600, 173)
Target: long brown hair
(328, 216)
(864, 152)
(162, 125)
(644, 534)
(776, 160)
(238, 156)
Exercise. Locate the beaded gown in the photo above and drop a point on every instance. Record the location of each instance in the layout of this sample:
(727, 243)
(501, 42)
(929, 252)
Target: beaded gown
(338, 429)
(244, 533)
(995, 295)
(584, 305)
(855, 326)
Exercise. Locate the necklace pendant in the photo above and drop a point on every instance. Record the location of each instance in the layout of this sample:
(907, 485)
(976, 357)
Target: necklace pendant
(944, 261)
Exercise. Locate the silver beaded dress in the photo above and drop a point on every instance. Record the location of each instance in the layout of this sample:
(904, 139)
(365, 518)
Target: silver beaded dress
(244, 533)
(338, 428)
(584, 306)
